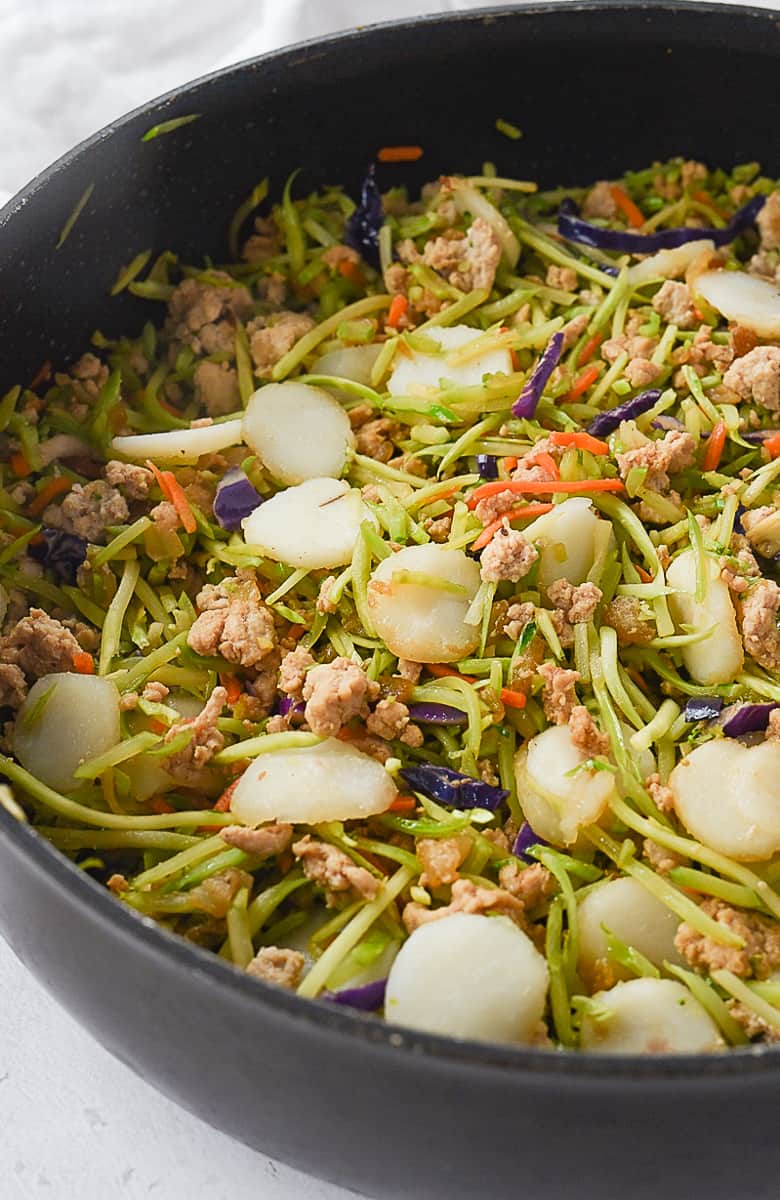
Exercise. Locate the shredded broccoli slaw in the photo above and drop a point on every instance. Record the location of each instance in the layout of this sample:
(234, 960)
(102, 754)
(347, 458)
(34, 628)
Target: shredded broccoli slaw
(418, 567)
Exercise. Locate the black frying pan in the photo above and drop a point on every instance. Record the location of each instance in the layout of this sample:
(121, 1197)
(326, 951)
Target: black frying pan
(596, 88)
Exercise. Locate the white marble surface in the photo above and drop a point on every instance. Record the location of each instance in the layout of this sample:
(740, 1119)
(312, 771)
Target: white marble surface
(74, 1123)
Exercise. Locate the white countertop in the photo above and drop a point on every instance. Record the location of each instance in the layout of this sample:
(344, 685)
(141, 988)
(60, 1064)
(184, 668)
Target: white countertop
(76, 1124)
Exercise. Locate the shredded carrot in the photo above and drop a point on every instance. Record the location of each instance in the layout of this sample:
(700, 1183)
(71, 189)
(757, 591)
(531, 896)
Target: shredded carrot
(174, 493)
(583, 382)
(351, 270)
(589, 349)
(403, 804)
(515, 514)
(397, 310)
(394, 154)
(771, 445)
(157, 726)
(83, 663)
(644, 575)
(535, 487)
(41, 375)
(512, 699)
(633, 215)
(440, 670)
(55, 487)
(705, 198)
(542, 459)
(713, 449)
(510, 462)
(583, 441)
(223, 804)
(20, 465)
(232, 686)
(159, 805)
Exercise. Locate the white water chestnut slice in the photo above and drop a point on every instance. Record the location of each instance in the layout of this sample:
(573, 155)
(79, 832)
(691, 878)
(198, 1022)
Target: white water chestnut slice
(353, 362)
(728, 796)
(298, 431)
(719, 657)
(558, 800)
(568, 540)
(649, 1016)
(424, 619)
(309, 784)
(180, 445)
(314, 524)
(743, 298)
(428, 370)
(66, 720)
(469, 976)
(635, 916)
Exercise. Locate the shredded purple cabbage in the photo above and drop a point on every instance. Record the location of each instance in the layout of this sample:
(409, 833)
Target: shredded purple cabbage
(63, 553)
(759, 435)
(575, 229)
(665, 421)
(235, 499)
(487, 465)
(606, 422)
(525, 839)
(287, 705)
(368, 997)
(526, 402)
(747, 718)
(437, 714)
(450, 787)
(703, 708)
(362, 228)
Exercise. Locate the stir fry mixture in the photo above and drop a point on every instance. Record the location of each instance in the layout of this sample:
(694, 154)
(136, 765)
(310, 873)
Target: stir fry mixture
(396, 616)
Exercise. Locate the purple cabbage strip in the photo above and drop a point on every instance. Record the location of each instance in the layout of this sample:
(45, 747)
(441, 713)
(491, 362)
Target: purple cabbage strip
(759, 435)
(63, 553)
(526, 402)
(703, 708)
(235, 499)
(747, 718)
(287, 705)
(368, 997)
(575, 229)
(362, 228)
(665, 421)
(525, 839)
(437, 714)
(450, 787)
(487, 465)
(608, 421)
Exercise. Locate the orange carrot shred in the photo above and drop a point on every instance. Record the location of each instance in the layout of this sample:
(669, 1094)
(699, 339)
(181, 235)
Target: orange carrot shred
(397, 310)
(20, 465)
(544, 460)
(394, 154)
(582, 441)
(583, 382)
(232, 686)
(535, 487)
(223, 804)
(403, 804)
(644, 575)
(174, 493)
(589, 349)
(41, 375)
(55, 487)
(515, 514)
(633, 215)
(713, 449)
(510, 462)
(83, 663)
(771, 445)
(512, 699)
(441, 670)
(160, 805)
